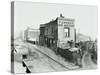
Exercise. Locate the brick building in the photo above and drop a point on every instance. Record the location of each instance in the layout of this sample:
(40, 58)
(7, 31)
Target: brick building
(57, 33)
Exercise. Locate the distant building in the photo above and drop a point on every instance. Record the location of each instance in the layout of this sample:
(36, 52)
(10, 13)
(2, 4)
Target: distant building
(57, 33)
(32, 35)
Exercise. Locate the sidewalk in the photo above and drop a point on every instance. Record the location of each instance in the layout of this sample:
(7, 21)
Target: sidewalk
(58, 58)
(18, 68)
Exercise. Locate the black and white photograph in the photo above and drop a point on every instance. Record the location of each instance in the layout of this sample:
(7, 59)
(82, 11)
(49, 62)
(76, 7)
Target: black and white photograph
(53, 37)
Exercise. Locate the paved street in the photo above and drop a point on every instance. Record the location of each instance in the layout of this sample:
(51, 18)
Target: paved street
(47, 60)
(42, 59)
(87, 62)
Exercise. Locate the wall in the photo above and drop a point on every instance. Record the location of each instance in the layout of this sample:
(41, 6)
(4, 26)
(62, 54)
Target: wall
(69, 25)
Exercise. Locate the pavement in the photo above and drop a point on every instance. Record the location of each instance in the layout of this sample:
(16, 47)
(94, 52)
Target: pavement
(87, 62)
(39, 62)
(18, 68)
(52, 54)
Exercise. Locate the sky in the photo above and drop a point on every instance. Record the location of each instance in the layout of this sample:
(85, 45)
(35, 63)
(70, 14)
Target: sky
(33, 14)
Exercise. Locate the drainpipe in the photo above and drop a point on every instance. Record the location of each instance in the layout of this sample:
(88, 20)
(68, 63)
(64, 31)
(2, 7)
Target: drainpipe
(75, 35)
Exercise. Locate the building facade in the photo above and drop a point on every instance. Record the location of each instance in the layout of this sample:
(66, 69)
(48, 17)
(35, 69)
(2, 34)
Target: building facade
(57, 33)
(32, 35)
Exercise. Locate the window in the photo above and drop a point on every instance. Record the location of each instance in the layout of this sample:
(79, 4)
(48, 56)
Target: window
(66, 32)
